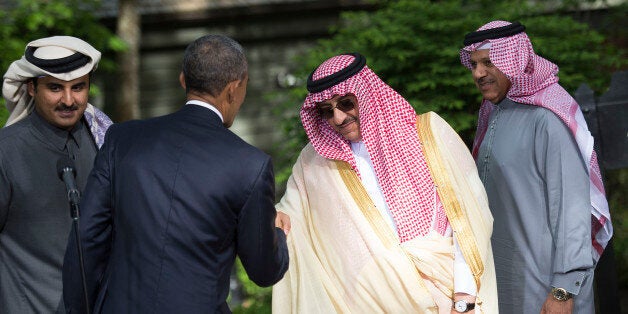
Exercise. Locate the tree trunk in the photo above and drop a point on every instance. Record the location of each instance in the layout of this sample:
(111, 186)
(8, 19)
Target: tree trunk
(129, 30)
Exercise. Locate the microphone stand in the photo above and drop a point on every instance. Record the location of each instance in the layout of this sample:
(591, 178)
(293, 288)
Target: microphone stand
(74, 213)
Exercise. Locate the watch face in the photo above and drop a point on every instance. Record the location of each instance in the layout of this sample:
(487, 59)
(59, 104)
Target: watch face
(460, 306)
(560, 294)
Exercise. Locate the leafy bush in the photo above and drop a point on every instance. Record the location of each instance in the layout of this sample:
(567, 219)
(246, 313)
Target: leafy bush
(616, 187)
(413, 45)
(256, 299)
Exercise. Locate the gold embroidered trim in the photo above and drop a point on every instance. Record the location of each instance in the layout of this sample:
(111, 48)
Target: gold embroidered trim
(453, 210)
(366, 205)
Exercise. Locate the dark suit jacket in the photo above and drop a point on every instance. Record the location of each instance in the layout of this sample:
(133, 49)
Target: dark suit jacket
(168, 205)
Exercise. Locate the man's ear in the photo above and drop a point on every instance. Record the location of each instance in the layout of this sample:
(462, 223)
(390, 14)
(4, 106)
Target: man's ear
(31, 88)
(182, 80)
(231, 89)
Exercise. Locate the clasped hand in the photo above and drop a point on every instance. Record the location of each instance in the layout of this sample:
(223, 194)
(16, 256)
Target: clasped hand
(282, 221)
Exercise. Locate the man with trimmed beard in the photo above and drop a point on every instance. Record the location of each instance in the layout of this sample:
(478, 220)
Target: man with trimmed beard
(387, 212)
(535, 157)
(46, 93)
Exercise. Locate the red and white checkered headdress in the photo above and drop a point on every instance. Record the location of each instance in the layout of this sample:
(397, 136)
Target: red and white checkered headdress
(535, 82)
(388, 129)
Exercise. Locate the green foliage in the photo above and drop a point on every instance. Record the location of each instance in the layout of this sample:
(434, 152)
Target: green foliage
(257, 299)
(23, 21)
(413, 45)
(4, 113)
(616, 183)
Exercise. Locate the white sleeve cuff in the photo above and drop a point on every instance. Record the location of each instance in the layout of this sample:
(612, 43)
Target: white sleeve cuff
(463, 278)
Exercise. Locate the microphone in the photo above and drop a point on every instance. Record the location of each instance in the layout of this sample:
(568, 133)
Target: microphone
(66, 172)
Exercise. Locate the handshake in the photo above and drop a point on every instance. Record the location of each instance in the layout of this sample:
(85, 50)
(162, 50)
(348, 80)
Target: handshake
(282, 221)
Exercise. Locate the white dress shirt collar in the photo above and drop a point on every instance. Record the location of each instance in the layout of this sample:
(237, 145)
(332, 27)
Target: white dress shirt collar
(206, 105)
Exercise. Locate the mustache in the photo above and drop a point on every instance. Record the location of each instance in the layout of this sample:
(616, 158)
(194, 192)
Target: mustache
(64, 107)
(483, 80)
(347, 121)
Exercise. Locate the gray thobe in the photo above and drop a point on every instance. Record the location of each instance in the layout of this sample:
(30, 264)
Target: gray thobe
(34, 211)
(538, 190)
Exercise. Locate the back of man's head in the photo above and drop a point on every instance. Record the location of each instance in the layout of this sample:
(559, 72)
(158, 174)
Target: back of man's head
(211, 62)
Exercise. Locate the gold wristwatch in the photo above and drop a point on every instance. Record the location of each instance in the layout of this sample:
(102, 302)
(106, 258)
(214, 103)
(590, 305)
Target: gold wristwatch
(561, 294)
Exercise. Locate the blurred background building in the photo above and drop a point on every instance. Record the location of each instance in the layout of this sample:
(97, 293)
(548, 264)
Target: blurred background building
(272, 32)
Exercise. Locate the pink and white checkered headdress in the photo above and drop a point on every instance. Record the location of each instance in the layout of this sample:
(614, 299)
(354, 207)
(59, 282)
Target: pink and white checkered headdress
(535, 82)
(388, 129)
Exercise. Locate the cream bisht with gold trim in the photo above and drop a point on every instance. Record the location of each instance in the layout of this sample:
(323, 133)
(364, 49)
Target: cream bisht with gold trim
(345, 258)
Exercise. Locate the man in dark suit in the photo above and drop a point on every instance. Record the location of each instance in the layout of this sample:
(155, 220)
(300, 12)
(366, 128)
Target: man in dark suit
(172, 200)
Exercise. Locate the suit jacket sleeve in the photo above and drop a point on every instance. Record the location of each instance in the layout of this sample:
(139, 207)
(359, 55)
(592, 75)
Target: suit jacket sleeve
(261, 246)
(95, 232)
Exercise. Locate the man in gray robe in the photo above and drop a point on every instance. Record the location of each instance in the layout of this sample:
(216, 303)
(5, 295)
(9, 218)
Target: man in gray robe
(46, 92)
(534, 155)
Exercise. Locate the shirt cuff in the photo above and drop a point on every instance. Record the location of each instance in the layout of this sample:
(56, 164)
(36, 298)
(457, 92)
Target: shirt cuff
(571, 281)
(463, 278)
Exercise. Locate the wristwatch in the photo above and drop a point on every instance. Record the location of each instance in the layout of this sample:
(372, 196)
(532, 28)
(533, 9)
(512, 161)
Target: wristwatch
(462, 306)
(561, 294)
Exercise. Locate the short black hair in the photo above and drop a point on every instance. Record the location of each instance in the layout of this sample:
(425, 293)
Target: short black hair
(211, 62)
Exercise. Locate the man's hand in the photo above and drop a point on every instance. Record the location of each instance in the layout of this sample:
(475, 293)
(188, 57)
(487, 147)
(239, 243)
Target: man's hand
(553, 306)
(282, 221)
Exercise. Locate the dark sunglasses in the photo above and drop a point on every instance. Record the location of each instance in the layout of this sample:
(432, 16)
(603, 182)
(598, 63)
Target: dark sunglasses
(326, 111)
